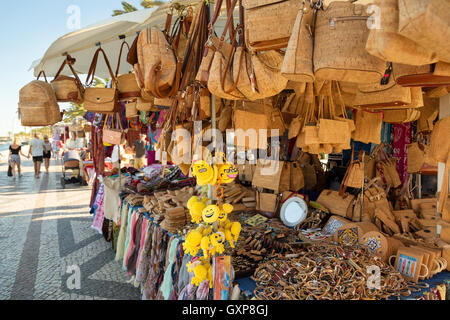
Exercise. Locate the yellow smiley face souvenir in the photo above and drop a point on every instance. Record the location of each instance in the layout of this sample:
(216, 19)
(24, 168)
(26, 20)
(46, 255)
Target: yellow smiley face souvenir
(227, 173)
(203, 172)
(211, 213)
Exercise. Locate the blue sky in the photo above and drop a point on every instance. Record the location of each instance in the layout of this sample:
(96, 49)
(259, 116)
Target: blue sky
(27, 29)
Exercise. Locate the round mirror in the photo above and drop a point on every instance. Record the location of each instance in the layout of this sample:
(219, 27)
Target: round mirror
(293, 211)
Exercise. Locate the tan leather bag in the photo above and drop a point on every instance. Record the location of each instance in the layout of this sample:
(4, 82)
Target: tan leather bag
(101, 100)
(126, 83)
(68, 89)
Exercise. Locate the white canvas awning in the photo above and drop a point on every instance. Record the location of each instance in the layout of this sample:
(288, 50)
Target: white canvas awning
(81, 44)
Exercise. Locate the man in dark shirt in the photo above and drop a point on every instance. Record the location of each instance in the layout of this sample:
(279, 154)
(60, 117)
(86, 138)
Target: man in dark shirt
(139, 150)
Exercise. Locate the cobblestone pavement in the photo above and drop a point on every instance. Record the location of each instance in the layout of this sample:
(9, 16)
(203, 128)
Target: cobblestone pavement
(46, 240)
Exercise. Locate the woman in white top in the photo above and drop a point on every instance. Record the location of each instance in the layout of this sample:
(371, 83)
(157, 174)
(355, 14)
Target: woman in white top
(47, 152)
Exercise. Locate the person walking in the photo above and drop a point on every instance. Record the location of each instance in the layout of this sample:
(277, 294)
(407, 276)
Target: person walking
(139, 150)
(37, 151)
(47, 153)
(15, 151)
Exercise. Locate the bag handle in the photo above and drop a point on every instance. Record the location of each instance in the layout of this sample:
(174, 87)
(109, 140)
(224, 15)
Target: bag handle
(43, 73)
(69, 61)
(120, 55)
(215, 16)
(93, 67)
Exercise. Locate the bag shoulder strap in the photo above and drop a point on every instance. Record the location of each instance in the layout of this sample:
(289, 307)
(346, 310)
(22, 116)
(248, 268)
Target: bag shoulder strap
(124, 43)
(69, 61)
(43, 73)
(93, 67)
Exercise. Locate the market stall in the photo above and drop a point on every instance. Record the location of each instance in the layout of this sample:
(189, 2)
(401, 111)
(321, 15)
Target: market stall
(301, 160)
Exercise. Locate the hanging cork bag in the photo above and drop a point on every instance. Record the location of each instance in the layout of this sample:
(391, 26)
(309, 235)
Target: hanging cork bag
(386, 44)
(340, 45)
(427, 23)
(297, 64)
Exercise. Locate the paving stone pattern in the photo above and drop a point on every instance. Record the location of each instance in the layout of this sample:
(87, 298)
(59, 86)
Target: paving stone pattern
(46, 237)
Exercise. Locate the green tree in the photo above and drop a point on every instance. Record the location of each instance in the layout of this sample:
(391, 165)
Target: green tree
(77, 110)
(151, 3)
(128, 7)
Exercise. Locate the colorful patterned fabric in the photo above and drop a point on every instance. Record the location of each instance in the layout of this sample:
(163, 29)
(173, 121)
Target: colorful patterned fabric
(402, 137)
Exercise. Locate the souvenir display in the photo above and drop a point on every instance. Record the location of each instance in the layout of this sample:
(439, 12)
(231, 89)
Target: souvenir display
(276, 149)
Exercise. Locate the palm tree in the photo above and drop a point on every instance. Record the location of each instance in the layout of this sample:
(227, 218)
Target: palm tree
(128, 7)
(151, 3)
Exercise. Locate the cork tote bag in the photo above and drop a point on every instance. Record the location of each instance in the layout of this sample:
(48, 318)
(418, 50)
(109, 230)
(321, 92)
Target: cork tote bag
(387, 44)
(340, 45)
(368, 127)
(427, 22)
(297, 64)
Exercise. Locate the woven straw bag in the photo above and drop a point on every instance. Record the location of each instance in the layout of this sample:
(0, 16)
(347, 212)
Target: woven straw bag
(415, 158)
(368, 127)
(428, 114)
(426, 22)
(433, 75)
(340, 45)
(260, 19)
(386, 44)
(297, 64)
(37, 104)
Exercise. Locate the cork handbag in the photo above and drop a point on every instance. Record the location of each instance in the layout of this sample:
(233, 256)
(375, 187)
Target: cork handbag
(68, 89)
(262, 16)
(126, 83)
(220, 80)
(340, 38)
(101, 100)
(111, 135)
(297, 63)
